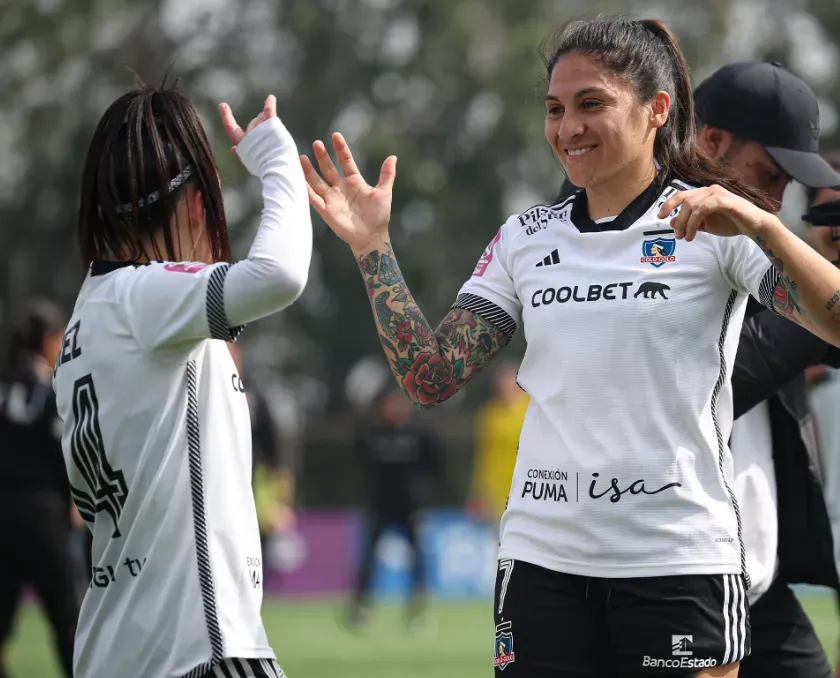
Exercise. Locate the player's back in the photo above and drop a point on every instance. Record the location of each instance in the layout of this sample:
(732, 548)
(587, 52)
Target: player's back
(150, 434)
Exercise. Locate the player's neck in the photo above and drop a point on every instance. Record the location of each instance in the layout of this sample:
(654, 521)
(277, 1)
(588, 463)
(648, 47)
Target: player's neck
(611, 197)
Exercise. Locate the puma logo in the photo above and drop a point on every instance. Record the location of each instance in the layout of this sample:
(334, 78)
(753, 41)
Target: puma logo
(649, 290)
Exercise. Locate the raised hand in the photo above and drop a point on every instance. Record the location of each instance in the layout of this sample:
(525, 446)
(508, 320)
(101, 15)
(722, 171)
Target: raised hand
(356, 212)
(714, 210)
(232, 128)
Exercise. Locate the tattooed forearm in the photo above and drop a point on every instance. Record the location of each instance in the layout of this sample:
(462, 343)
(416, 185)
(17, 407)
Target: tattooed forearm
(430, 366)
(786, 296)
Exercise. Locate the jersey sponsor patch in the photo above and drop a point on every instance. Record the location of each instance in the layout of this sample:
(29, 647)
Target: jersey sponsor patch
(487, 257)
(658, 251)
(190, 267)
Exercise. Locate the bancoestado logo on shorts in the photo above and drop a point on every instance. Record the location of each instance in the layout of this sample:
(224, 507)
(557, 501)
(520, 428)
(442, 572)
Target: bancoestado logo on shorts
(682, 656)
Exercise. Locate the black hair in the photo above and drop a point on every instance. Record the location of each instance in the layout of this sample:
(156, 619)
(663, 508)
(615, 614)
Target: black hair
(40, 319)
(149, 144)
(648, 54)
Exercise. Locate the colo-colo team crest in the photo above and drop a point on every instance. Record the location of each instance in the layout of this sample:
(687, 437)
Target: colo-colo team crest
(504, 646)
(658, 251)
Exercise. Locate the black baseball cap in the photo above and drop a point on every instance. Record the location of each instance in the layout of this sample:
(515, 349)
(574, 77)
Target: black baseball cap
(763, 102)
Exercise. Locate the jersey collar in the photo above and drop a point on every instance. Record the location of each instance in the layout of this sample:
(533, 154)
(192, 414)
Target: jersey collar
(106, 267)
(643, 202)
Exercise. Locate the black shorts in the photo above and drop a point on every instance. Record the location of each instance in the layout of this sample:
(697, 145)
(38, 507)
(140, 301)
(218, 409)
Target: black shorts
(555, 625)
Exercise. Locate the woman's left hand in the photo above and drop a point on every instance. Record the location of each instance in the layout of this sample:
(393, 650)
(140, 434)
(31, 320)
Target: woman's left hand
(714, 210)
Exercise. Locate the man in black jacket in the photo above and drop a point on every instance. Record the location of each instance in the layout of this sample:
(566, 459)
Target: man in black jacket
(764, 123)
(400, 462)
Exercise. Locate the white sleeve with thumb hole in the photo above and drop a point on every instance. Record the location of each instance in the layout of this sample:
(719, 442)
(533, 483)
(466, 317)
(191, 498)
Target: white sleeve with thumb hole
(276, 270)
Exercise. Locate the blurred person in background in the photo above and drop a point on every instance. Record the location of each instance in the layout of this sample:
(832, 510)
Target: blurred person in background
(399, 461)
(272, 463)
(37, 514)
(627, 588)
(823, 232)
(498, 424)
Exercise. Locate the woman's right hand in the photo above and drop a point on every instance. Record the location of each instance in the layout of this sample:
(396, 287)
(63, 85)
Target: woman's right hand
(357, 213)
(232, 128)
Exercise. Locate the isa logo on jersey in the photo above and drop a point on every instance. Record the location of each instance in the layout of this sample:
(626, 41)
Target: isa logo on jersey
(504, 646)
(658, 251)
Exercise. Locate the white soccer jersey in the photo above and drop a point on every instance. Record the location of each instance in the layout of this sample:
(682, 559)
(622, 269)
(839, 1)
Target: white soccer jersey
(157, 441)
(623, 468)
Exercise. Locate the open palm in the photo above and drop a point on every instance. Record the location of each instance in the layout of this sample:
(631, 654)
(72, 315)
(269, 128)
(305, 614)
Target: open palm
(356, 212)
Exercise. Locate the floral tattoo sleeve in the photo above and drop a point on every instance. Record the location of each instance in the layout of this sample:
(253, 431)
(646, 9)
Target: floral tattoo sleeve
(430, 365)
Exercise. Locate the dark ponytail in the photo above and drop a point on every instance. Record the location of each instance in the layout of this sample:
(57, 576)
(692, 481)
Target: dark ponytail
(648, 54)
(149, 144)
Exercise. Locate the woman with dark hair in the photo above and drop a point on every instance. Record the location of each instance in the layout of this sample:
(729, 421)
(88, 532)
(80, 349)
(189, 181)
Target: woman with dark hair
(36, 516)
(156, 434)
(621, 551)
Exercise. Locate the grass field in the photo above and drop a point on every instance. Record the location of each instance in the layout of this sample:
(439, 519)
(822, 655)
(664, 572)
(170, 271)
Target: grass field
(456, 643)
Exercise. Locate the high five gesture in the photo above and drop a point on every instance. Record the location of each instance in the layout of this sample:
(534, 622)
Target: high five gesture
(357, 213)
(429, 366)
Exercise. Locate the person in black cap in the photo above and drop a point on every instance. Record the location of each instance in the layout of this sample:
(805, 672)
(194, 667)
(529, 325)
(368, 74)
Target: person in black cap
(35, 508)
(763, 121)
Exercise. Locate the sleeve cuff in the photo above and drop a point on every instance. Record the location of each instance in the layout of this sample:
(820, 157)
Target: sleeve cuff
(489, 311)
(767, 288)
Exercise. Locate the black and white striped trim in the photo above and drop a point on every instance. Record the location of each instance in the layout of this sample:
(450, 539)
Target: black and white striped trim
(205, 575)
(248, 668)
(238, 668)
(216, 315)
(734, 619)
(488, 311)
(200, 671)
(767, 288)
(727, 315)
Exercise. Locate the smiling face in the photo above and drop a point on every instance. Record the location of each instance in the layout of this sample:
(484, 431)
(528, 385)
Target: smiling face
(596, 125)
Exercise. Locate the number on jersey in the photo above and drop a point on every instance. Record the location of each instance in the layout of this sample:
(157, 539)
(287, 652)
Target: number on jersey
(104, 488)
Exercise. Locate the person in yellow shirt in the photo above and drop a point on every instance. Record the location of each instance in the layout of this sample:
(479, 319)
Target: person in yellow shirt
(497, 426)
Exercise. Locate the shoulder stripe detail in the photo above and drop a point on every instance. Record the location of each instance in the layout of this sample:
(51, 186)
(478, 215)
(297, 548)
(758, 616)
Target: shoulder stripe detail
(205, 576)
(768, 286)
(727, 316)
(488, 311)
(216, 315)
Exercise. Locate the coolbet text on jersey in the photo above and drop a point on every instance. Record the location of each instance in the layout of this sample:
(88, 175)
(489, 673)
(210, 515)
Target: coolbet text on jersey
(157, 442)
(637, 483)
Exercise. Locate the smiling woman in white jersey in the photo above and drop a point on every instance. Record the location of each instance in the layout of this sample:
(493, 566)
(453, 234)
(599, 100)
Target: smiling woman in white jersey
(156, 437)
(620, 547)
